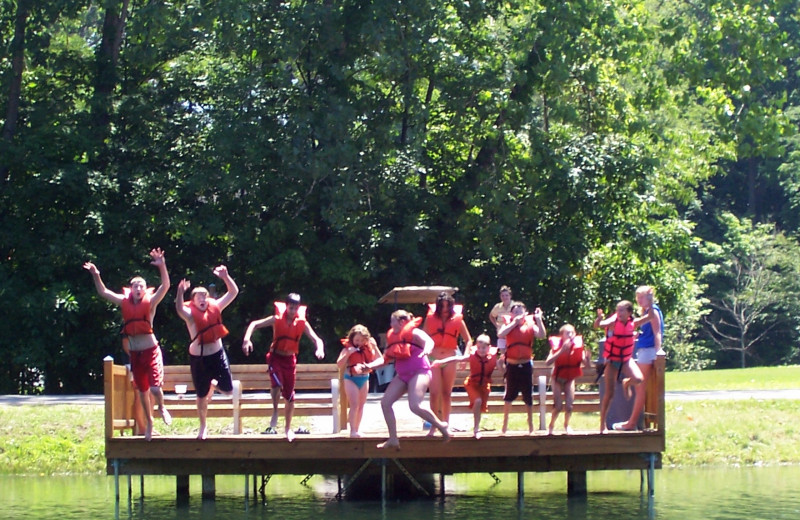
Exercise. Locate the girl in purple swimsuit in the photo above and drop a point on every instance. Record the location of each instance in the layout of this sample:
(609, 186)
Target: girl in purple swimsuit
(409, 347)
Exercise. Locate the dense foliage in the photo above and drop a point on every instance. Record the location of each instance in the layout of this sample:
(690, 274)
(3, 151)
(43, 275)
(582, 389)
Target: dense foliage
(572, 150)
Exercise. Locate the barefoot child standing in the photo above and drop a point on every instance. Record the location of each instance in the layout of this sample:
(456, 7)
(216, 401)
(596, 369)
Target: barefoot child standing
(482, 360)
(358, 348)
(567, 357)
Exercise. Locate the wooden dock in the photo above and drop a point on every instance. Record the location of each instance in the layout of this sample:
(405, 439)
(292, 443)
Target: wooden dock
(340, 455)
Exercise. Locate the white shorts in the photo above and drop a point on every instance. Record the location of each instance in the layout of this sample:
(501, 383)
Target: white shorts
(646, 356)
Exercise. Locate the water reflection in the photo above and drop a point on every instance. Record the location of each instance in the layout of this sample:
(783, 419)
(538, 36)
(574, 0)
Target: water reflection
(680, 495)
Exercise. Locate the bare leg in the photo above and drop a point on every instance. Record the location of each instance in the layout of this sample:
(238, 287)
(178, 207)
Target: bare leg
(569, 390)
(362, 401)
(288, 413)
(506, 410)
(557, 404)
(448, 380)
(435, 389)
(609, 380)
(144, 399)
(416, 403)
(354, 400)
(275, 393)
(202, 413)
(159, 396)
(638, 402)
(393, 392)
(476, 415)
(530, 418)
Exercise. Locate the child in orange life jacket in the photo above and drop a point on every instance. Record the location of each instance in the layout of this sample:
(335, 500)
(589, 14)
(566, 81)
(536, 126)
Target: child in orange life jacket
(519, 334)
(618, 354)
(288, 326)
(207, 358)
(139, 303)
(482, 362)
(357, 348)
(567, 357)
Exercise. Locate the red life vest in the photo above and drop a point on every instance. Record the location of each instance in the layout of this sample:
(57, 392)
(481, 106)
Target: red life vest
(136, 316)
(619, 346)
(480, 369)
(398, 344)
(209, 323)
(286, 335)
(569, 366)
(444, 335)
(364, 354)
(519, 342)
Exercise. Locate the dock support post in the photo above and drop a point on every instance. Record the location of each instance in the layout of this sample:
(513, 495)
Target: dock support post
(520, 486)
(651, 476)
(542, 402)
(130, 489)
(209, 487)
(182, 487)
(441, 485)
(141, 486)
(116, 480)
(247, 489)
(576, 483)
(383, 480)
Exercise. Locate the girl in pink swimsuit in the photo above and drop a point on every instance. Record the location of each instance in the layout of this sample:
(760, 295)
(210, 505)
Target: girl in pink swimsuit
(409, 347)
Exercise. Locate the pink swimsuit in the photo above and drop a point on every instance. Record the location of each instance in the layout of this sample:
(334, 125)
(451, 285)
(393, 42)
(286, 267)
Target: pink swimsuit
(416, 364)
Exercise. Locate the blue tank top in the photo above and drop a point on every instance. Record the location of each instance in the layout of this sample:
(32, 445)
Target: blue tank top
(646, 337)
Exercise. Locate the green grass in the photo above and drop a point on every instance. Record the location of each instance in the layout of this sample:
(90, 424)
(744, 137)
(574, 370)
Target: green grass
(759, 378)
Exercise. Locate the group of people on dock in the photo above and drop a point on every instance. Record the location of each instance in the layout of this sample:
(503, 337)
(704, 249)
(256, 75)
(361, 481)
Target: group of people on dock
(424, 352)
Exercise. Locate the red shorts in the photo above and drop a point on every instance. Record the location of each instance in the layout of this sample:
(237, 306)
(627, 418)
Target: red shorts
(282, 371)
(147, 367)
(475, 392)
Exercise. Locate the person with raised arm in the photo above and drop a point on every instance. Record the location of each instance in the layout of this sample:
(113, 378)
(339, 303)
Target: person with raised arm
(139, 304)
(207, 358)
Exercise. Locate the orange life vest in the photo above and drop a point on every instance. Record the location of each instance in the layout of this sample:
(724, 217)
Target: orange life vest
(136, 316)
(569, 366)
(480, 369)
(209, 323)
(286, 335)
(398, 344)
(519, 342)
(364, 354)
(444, 335)
(619, 346)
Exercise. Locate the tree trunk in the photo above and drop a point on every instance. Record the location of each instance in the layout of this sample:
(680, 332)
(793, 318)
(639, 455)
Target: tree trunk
(17, 67)
(106, 61)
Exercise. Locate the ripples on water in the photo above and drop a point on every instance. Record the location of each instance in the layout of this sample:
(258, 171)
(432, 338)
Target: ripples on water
(680, 495)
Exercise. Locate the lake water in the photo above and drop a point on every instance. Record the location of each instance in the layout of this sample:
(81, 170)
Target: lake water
(720, 493)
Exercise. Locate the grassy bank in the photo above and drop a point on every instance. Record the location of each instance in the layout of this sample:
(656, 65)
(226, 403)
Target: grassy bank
(43, 440)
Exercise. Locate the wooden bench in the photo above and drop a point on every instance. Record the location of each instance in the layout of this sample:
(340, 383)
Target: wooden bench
(587, 393)
(317, 394)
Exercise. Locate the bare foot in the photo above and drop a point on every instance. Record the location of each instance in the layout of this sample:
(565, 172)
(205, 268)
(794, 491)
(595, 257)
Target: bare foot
(356, 435)
(626, 384)
(477, 434)
(568, 429)
(289, 435)
(445, 433)
(166, 416)
(431, 432)
(550, 431)
(202, 434)
(389, 444)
